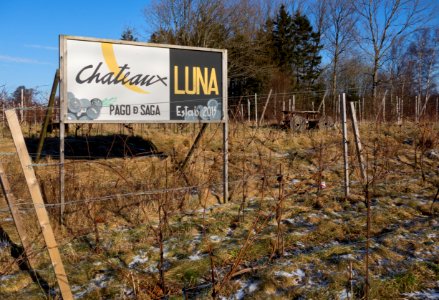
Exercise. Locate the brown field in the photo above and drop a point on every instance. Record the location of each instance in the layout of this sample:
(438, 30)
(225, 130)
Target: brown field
(135, 227)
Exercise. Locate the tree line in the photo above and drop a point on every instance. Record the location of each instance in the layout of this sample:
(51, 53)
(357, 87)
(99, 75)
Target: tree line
(365, 48)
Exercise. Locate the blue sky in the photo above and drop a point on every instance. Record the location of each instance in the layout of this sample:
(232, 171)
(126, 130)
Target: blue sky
(29, 33)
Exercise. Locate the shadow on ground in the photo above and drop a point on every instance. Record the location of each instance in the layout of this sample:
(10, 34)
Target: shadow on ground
(96, 147)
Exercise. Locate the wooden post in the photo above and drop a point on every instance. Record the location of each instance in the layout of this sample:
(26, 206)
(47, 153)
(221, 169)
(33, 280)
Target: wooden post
(357, 141)
(248, 109)
(289, 104)
(417, 100)
(294, 103)
(437, 108)
(22, 107)
(345, 144)
(226, 160)
(322, 104)
(62, 173)
(194, 146)
(337, 109)
(3, 117)
(362, 111)
(424, 107)
(37, 199)
(256, 109)
(225, 133)
(265, 107)
(49, 111)
(19, 224)
(402, 109)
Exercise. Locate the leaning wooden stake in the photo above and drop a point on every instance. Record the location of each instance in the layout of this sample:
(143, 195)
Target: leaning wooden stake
(265, 107)
(345, 144)
(37, 199)
(193, 147)
(18, 220)
(49, 112)
(357, 141)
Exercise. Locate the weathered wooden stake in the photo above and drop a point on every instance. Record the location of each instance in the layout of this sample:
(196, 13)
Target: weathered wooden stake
(193, 147)
(294, 103)
(37, 199)
(357, 141)
(256, 109)
(437, 108)
(322, 104)
(416, 109)
(345, 144)
(248, 109)
(49, 111)
(265, 107)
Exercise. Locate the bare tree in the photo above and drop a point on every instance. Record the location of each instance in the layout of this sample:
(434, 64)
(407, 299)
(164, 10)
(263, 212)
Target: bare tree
(383, 22)
(340, 33)
(422, 54)
(189, 22)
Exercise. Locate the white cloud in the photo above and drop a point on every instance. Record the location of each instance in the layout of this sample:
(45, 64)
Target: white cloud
(41, 47)
(21, 60)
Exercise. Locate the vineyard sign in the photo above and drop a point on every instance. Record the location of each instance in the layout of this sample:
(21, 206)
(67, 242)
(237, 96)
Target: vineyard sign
(107, 81)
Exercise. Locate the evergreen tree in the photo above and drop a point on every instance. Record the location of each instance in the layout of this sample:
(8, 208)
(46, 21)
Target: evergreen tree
(305, 51)
(296, 48)
(128, 35)
(282, 36)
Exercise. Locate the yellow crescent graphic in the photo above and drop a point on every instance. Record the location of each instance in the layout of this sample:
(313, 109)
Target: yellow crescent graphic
(110, 59)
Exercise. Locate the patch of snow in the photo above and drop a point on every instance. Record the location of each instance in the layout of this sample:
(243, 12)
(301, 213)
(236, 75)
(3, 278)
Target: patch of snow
(295, 181)
(152, 269)
(4, 244)
(343, 295)
(347, 256)
(196, 256)
(247, 288)
(300, 244)
(138, 259)
(429, 294)
(197, 239)
(100, 281)
(6, 277)
(215, 238)
(431, 235)
(299, 274)
(7, 219)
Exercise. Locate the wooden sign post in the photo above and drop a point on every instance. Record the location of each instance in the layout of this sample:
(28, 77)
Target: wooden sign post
(37, 199)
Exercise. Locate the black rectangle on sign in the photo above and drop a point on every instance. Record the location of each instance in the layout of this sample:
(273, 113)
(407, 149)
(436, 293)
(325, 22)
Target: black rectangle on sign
(195, 85)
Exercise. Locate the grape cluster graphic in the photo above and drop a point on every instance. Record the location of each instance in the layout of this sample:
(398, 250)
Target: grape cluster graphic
(82, 109)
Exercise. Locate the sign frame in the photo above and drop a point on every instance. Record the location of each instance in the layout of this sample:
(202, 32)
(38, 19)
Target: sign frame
(63, 58)
(63, 108)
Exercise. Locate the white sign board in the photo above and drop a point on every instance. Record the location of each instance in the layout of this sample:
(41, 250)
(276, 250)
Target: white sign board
(118, 81)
